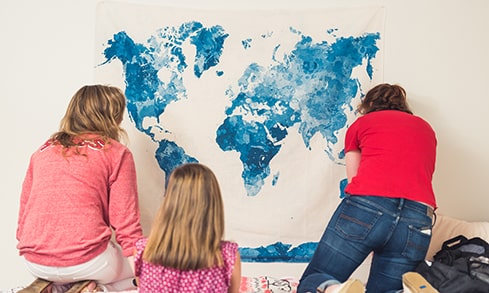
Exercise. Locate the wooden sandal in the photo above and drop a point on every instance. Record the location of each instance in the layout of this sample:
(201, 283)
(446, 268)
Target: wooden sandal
(79, 286)
(38, 286)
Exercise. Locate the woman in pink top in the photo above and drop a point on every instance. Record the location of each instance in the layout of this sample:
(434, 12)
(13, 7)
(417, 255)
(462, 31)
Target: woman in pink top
(184, 252)
(79, 189)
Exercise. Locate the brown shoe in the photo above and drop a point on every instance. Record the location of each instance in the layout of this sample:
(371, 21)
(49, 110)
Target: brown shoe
(38, 286)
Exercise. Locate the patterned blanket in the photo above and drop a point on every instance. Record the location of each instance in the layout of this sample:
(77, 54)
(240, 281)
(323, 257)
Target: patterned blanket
(262, 284)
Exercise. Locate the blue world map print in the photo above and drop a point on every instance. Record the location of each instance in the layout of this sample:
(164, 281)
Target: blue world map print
(301, 85)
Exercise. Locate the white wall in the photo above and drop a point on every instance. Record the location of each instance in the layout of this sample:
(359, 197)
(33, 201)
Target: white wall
(436, 49)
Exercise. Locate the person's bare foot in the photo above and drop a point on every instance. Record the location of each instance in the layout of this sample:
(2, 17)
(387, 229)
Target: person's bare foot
(331, 288)
(92, 287)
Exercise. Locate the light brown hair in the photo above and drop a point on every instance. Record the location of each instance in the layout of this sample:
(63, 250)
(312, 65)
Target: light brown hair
(93, 109)
(188, 228)
(384, 97)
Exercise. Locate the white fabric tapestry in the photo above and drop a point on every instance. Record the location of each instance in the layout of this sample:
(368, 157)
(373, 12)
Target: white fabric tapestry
(262, 97)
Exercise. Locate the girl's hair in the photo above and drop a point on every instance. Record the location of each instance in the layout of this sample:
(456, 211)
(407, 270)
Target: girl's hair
(187, 231)
(94, 109)
(384, 97)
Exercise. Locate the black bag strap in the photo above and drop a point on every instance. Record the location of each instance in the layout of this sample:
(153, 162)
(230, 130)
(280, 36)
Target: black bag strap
(460, 246)
(461, 240)
(454, 242)
(448, 252)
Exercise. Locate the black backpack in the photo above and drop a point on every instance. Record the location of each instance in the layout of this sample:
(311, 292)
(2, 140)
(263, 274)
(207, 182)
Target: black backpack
(462, 265)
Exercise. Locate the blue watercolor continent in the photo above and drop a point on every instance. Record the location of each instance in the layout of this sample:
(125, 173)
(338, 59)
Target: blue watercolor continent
(148, 95)
(310, 89)
(279, 252)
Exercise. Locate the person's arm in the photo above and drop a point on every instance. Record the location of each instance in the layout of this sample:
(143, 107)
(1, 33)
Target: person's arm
(123, 204)
(236, 275)
(352, 159)
(26, 188)
(130, 259)
(137, 261)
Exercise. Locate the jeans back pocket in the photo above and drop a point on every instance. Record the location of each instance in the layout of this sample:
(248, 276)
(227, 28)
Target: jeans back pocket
(355, 221)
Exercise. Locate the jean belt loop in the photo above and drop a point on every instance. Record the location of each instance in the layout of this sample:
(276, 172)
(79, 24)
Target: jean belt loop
(429, 211)
(401, 204)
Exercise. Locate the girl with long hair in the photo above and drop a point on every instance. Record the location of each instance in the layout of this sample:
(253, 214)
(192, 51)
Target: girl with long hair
(185, 250)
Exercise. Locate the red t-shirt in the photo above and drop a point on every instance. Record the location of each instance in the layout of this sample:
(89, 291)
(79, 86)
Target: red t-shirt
(398, 153)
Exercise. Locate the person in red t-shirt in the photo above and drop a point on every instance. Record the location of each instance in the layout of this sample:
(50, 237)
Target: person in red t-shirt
(79, 189)
(389, 200)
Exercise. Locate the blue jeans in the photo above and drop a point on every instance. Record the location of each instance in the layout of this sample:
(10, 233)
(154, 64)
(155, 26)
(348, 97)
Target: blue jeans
(397, 231)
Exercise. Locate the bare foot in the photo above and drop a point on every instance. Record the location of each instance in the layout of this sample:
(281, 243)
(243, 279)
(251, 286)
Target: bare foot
(48, 289)
(91, 287)
(331, 288)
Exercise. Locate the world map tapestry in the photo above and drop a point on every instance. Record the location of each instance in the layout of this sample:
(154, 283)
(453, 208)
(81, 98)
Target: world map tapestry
(263, 97)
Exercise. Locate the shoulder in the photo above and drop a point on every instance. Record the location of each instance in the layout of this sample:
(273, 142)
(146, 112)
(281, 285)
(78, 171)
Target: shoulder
(230, 244)
(114, 144)
(229, 247)
(47, 145)
(139, 246)
(422, 121)
(141, 243)
(115, 149)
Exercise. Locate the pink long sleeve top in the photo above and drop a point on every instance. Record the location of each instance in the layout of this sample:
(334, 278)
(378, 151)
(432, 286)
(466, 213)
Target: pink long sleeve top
(70, 204)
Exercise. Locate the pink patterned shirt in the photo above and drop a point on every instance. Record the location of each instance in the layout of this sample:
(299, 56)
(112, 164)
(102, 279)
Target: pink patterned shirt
(158, 279)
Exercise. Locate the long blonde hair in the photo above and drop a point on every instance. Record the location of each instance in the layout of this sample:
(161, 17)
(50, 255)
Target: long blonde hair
(187, 231)
(93, 109)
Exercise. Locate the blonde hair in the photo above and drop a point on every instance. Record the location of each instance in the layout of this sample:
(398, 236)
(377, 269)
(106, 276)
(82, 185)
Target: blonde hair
(93, 109)
(187, 231)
